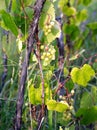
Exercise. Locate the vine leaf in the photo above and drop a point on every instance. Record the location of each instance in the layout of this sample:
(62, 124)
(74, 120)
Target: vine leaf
(8, 23)
(35, 94)
(92, 25)
(89, 99)
(86, 2)
(83, 75)
(47, 14)
(82, 15)
(86, 100)
(55, 33)
(57, 106)
(88, 115)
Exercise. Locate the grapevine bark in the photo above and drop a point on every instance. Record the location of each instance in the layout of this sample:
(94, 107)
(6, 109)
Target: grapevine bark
(32, 30)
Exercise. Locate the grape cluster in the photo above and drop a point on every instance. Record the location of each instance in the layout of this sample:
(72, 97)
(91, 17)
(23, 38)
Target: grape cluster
(47, 27)
(47, 54)
(69, 112)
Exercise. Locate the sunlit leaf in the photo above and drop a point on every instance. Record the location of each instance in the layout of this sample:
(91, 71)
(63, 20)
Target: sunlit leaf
(9, 22)
(35, 94)
(57, 106)
(69, 11)
(47, 14)
(83, 75)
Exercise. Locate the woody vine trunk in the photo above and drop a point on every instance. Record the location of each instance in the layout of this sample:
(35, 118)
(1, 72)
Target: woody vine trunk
(32, 30)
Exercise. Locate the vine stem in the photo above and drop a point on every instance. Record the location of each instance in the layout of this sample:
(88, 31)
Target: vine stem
(42, 80)
(32, 30)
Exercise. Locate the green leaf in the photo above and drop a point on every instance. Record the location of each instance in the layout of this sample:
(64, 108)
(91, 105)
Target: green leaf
(57, 106)
(55, 33)
(72, 30)
(69, 28)
(48, 14)
(16, 6)
(86, 2)
(69, 11)
(35, 94)
(66, 71)
(82, 15)
(86, 100)
(87, 115)
(94, 94)
(92, 26)
(28, 2)
(8, 22)
(63, 3)
(82, 76)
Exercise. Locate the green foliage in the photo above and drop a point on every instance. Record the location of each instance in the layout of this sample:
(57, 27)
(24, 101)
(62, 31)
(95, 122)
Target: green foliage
(69, 11)
(51, 31)
(82, 15)
(8, 23)
(86, 100)
(86, 2)
(47, 15)
(88, 115)
(57, 106)
(35, 94)
(92, 26)
(83, 75)
(65, 101)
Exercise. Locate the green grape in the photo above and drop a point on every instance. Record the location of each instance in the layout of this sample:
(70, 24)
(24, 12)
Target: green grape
(46, 33)
(71, 107)
(42, 47)
(49, 30)
(48, 55)
(49, 26)
(52, 23)
(72, 92)
(46, 59)
(46, 26)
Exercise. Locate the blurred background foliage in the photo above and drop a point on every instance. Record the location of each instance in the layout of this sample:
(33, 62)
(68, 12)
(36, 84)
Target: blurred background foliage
(83, 50)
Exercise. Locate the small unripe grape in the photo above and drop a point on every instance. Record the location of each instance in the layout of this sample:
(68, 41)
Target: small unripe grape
(48, 54)
(46, 26)
(49, 26)
(46, 59)
(72, 92)
(69, 114)
(71, 107)
(50, 50)
(26, 104)
(52, 23)
(46, 33)
(44, 54)
(53, 58)
(49, 30)
(42, 57)
(42, 47)
(60, 97)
